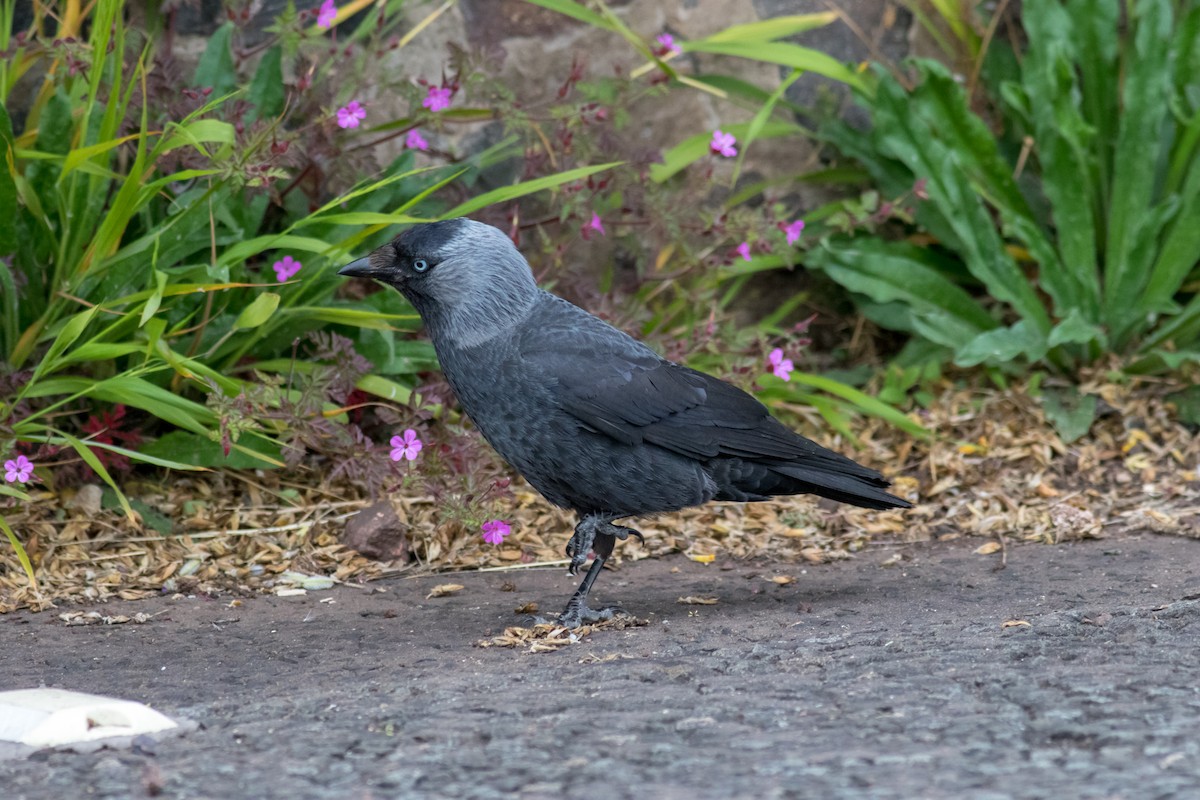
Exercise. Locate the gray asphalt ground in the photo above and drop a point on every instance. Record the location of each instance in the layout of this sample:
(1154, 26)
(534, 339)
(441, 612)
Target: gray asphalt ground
(857, 680)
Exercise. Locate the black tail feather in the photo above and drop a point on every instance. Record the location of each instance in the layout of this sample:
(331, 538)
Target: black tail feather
(748, 480)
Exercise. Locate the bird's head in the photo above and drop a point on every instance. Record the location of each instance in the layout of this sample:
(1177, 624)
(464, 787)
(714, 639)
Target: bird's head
(465, 278)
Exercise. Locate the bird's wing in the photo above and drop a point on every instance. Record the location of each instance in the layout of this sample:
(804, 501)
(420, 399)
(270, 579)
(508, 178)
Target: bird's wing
(617, 386)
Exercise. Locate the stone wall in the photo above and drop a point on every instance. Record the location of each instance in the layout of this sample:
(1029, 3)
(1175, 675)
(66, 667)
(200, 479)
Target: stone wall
(539, 45)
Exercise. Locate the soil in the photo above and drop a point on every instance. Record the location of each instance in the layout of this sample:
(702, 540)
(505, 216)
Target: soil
(1072, 672)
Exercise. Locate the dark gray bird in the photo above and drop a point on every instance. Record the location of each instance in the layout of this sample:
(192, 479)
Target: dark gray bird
(596, 421)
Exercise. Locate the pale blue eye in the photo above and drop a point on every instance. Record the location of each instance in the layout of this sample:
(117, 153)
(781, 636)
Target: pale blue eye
(420, 265)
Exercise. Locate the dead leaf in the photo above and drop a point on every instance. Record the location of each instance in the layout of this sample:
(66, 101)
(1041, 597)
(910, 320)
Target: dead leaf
(443, 589)
(692, 600)
(707, 558)
(528, 608)
(988, 548)
(783, 580)
(1015, 623)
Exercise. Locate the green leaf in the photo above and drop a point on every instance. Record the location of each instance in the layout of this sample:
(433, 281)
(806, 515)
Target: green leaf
(203, 452)
(66, 337)
(267, 88)
(258, 312)
(1076, 330)
(774, 28)
(244, 250)
(76, 158)
(911, 139)
(22, 556)
(196, 133)
(1070, 413)
(216, 68)
(890, 272)
(574, 10)
(760, 119)
(1147, 86)
(863, 402)
(787, 55)
(1187, 404)
(8, 187)
(1003, 345)
(358, 218)
(155, 300)
(352, 316)
(506, 193)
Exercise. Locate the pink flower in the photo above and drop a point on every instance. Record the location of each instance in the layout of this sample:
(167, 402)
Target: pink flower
(596, 224)
(414, 141)
(792, 231)
(406, 446)
(722, 144)
(350, 114)
(18, 470)
(437, 99)
(782, 367)
(743, 250)
(326, 14)
(495, 530)
(666, 45)
(285, 269)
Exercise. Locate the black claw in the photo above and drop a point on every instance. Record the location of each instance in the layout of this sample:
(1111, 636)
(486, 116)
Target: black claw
(625, 533)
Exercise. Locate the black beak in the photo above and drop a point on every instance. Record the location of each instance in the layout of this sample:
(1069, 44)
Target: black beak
(358, 269)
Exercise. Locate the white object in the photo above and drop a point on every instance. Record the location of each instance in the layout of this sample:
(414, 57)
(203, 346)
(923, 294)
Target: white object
(54, 717)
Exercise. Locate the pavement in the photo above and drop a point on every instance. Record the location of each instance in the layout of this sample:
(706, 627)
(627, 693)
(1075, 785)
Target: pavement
(910, 671)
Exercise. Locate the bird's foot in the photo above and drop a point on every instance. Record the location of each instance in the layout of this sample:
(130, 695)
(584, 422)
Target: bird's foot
(577, 614)
(623, 533)
(580, 545)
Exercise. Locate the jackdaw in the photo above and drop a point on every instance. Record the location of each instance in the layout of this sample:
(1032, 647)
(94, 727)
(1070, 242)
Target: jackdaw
(595, 420)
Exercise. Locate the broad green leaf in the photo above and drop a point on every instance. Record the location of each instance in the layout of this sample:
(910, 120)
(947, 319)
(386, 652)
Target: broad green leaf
(1075, 329)
(201, 452)
(1003, 345)
(196, 133)
(1180, 252)
(910, 139)
(1070, 413)
(258, 312)
(267, 88)
(889, 272)
(1146, 88)
(216, 68)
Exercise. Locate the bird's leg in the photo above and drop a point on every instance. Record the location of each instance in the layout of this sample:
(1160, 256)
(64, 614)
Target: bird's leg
(586, 532)
(577, 612)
